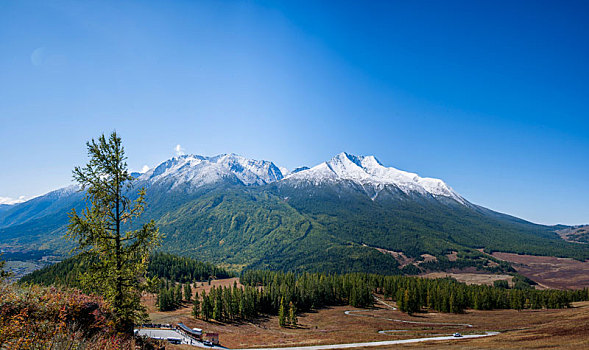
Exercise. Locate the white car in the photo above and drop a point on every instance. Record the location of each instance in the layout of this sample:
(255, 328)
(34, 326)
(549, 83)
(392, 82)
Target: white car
(457, 335)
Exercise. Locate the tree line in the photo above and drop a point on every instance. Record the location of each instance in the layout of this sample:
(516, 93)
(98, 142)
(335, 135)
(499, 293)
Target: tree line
(412, 294)
(285, 294)
(161, 267)
(182, 269)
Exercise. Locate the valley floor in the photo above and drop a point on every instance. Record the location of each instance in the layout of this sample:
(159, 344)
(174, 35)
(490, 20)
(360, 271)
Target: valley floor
(550, 271)
(567, 328)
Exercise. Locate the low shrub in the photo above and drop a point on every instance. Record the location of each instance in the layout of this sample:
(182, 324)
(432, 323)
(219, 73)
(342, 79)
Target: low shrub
(34, 317)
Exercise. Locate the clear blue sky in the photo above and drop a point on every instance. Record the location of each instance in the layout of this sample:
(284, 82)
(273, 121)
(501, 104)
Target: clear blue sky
(491, 96)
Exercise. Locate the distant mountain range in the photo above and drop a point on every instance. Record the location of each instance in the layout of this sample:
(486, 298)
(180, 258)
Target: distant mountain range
(350, 213)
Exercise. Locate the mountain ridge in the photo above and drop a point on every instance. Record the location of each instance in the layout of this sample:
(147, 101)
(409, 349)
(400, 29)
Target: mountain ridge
(243, 212)
(202, 170)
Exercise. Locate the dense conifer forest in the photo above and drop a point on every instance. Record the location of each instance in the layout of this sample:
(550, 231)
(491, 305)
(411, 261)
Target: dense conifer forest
(161, 265)
(412, 294)
(276, 293)
(182, 269)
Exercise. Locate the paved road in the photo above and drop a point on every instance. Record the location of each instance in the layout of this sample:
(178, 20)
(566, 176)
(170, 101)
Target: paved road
(380, 343)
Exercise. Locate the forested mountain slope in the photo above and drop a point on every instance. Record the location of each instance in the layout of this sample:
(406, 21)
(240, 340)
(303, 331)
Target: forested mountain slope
(245, 213)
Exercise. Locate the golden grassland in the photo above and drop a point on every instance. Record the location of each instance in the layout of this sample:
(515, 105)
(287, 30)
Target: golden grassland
(470, 278)
(550, 271)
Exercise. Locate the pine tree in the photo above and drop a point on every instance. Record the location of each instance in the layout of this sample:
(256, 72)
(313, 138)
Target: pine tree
(218, 304)
(452, 303)
(164, 300)
(187, 292)
(292, 314)
(196, 306)
(178, 295)
(401, 300)
(159, 300)
(281, 314)
(206, 306)
(152, 284)
(242, 306)
(118, 259)
(407, 302)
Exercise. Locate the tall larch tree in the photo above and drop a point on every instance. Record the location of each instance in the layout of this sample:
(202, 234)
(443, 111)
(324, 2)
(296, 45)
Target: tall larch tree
(117, 254)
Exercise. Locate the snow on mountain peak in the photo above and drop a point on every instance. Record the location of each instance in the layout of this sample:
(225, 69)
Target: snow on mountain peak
(199, 170)
(196, 170)
(367, 170)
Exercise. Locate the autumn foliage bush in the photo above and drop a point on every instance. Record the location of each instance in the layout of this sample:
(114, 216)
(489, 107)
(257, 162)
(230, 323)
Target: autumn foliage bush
(34, 317)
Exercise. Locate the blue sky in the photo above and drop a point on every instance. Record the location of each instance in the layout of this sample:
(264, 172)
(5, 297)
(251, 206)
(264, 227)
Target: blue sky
(489, 96)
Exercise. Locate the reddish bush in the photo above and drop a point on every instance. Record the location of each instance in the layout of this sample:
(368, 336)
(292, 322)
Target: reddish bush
(36, 317)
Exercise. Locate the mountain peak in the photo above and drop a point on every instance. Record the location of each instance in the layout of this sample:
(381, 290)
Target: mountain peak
(368, 171)
(197, 170)
(361, 161)
(191, 171)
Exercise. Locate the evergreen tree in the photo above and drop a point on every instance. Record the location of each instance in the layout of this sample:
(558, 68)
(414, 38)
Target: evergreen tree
(206, 307)
(196, 306)
(187, 292)
(401, 300)
(165, 300)
(152, 284)
(501, 284)
(118, 259)
(292, 314)
(408, 302)
(178, 295)
(281, 314)
(218, 304)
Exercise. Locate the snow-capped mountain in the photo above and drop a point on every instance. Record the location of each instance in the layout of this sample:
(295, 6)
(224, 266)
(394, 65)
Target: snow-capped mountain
(190, 172)
(368, 171)
(326, 218)
(196, 171)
